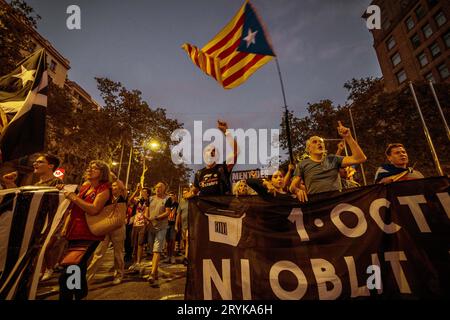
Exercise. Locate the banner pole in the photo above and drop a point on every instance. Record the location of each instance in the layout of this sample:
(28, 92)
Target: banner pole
(129, 166)
(120, 162)
(286, 115)
(447, 130)
(427, 133)
(356, 139)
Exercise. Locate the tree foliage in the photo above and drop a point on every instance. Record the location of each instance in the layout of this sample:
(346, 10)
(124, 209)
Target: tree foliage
(380, 118)
(79, 134)
(15, 21)
(134, 123)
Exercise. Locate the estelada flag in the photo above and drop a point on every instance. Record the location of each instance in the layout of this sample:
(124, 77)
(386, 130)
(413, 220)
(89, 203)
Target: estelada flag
(236, 52)
(23, 104)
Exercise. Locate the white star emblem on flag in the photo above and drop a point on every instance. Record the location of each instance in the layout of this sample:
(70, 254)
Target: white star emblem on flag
(25, 75)
(250, 38)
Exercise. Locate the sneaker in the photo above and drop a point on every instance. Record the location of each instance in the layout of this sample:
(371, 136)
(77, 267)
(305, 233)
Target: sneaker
(135, 267)
(117, 280)
(153, 279)
(47, 275)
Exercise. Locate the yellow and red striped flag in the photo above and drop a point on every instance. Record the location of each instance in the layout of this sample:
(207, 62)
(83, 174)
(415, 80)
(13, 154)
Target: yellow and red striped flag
(236, 52)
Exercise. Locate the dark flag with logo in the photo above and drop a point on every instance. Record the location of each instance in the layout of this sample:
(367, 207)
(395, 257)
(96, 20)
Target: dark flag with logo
(375, 242)
(29, 217)
(23, 103)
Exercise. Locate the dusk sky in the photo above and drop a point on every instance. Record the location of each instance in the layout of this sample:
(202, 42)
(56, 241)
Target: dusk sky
(320, 45)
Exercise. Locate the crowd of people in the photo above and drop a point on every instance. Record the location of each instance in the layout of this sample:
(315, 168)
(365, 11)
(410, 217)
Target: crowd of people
(319, 172)
(156, 224)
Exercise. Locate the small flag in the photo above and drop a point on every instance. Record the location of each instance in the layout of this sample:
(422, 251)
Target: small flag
(59, 173)
(236, 52)
(23, 102)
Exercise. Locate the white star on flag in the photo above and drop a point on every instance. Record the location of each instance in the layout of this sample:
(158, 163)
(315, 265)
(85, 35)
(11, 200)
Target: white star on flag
(25, 75)
(250, 38)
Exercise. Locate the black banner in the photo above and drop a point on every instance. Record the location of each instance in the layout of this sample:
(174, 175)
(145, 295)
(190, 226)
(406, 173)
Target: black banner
(376, 242)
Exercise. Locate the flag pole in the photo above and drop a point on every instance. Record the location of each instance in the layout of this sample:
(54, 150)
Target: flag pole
(427, 133)
(286, 115)
(120, 162)
(356, 139)
(447, 130)
(129, 166)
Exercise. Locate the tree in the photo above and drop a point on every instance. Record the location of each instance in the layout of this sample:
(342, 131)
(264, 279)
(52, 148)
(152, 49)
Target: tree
(16, 20)
(380, 118)
(135, 124)
(321, 121)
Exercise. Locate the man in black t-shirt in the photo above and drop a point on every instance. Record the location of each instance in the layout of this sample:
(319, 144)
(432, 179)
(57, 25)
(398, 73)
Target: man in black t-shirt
(214, 179)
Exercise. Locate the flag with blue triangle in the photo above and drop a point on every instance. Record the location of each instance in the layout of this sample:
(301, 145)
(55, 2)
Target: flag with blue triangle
(236, 52)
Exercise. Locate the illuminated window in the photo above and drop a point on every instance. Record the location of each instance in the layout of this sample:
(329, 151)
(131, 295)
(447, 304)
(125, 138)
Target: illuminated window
(427, 31)
(447, 39)
(410, 23)
(429, 76)
(423, 60)
(396, 59)
(53, 65)
(440, 19)
(443, 71)
(435, 50)
(401, 76)
(390, 43)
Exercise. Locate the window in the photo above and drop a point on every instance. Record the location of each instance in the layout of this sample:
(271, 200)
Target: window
(410, 23)
(53, 65)
(435, 50)
(401, 76)
(443, 71)
(390, 43)
(415, 40)
(396, 59)
(420, 12)
(440, 19)
(427, 31)
(423, 60)
(447, 39)
(32, 47)
(404, 3)
(432, 3)
(386, 24)
(429, 76)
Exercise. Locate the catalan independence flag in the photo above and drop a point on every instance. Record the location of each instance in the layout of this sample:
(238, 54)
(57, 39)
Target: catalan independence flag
(236, 52)
(23, 104)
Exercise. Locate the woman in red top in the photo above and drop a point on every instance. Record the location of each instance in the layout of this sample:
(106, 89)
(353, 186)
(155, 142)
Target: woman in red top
(93, 196)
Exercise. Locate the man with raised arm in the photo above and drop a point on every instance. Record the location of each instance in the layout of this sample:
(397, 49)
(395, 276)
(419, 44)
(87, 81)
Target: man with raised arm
(320, 171)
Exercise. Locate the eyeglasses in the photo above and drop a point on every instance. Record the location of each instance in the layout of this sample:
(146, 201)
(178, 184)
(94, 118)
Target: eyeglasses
(94, 168)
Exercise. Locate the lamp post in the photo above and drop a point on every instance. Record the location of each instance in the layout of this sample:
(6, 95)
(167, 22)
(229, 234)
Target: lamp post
(152, 145)
(356, 139)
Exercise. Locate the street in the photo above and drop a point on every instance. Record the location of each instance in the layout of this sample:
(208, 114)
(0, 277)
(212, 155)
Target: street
(172, 280)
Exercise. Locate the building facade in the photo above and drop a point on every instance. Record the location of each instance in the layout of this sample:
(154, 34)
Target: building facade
(414, 41)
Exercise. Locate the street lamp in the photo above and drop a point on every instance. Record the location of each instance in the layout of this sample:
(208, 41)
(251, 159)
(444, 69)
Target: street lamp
(153, 145)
